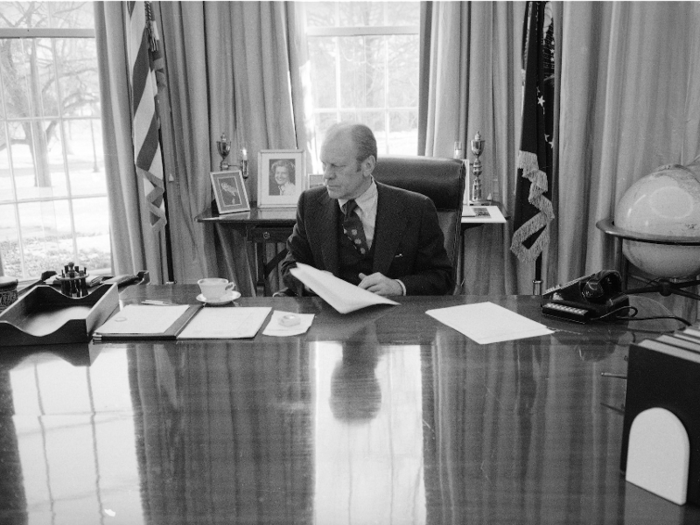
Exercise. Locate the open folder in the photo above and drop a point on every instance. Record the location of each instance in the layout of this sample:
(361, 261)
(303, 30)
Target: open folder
(136, 321)
(341, 295)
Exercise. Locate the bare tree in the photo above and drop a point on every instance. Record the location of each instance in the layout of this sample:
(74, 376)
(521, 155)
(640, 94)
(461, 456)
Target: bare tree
(43, 78)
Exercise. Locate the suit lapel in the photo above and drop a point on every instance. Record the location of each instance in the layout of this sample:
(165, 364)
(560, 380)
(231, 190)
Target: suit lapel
(389, 228)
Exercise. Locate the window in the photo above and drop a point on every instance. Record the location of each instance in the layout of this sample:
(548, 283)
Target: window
(364, 67)
(53, 199)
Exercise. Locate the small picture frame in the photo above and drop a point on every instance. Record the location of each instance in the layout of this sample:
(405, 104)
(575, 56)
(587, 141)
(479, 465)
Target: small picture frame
(229, 191)
(281, 178)
(315, 179)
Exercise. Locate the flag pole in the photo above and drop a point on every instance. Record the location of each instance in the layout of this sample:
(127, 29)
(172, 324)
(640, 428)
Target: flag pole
(537, 282)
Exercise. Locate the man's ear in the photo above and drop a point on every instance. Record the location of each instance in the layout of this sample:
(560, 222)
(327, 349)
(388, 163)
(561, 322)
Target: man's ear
(368, 165)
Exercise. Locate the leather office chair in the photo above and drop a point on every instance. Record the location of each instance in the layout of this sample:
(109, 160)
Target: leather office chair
(440, 179)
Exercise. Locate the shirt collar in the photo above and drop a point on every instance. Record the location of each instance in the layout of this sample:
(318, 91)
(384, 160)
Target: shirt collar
(364, 200)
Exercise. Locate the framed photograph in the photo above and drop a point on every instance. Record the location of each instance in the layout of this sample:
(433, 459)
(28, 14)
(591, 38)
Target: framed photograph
(315, 180)
(229, 191)
(281, 177)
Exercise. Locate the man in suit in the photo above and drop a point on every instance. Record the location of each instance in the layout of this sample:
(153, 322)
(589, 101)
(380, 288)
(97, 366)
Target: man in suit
(384, 239)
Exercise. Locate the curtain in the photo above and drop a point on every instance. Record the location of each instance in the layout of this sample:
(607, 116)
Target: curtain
(629, 103)
(135, 245)
(628, 99)
(234, 68)
(470, 82)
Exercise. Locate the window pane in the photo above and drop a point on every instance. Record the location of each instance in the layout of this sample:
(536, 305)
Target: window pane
(92, 234)
(322, 54)
(47, 14)
(46, 236)
(362, 14)
(85, 159)
(7, 190)
(78, 76)
(402, 71)
(362, 66)
(9, 241)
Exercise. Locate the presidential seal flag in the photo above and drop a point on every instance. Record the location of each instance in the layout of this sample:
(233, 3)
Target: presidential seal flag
(533, 207)
(146, 76)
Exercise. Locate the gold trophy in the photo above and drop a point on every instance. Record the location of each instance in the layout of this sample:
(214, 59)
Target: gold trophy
(477, 146)
(223, 146)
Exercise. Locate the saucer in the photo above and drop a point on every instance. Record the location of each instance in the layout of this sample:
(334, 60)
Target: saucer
(224, 299)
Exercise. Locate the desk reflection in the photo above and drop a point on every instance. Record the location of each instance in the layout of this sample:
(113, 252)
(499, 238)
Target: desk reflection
(224, 435)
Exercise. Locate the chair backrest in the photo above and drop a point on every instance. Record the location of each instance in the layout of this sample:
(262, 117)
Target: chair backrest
(440, 179)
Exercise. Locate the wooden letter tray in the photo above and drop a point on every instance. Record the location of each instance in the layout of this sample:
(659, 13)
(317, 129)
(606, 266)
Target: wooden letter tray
(46, 316)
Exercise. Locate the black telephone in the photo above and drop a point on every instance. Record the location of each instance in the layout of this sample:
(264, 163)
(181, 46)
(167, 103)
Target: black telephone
(586, 298)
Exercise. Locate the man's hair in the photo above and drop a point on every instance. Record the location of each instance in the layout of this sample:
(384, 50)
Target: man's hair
(362, 136)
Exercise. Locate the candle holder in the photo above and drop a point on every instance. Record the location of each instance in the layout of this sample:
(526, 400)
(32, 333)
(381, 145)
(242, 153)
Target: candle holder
(223, 146)
(243, 156)
(477, 147)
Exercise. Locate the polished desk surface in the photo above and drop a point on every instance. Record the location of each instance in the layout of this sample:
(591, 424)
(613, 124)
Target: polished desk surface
(381, 416)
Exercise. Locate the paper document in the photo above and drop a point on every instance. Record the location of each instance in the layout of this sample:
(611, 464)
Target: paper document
(341, 295)
(285, 324)
(142, 320)
(225, 322)
(488, 323)
(481, 214)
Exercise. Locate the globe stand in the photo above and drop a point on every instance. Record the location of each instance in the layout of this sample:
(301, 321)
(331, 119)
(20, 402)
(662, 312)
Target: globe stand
(663, 286)
(667, 287)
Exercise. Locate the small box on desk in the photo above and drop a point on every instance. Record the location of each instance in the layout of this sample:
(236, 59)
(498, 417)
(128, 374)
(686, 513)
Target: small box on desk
(46, 316)
(661, 429)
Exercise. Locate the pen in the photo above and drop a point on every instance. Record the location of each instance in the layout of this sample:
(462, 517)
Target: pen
(154, 302)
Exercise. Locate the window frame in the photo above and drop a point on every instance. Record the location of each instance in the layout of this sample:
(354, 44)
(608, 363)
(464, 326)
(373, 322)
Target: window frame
(7, 33)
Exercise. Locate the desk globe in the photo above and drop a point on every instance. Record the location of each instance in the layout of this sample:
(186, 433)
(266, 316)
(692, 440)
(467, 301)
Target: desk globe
(663, 204)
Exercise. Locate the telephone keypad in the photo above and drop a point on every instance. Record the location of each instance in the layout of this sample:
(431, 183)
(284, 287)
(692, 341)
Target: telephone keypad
(579, 315)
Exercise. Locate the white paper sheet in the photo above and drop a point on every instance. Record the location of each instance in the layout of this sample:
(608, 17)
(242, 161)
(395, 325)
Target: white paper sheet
(341, 295)
(142, 319)
(225, 322)
(277, 328)
(488, 323)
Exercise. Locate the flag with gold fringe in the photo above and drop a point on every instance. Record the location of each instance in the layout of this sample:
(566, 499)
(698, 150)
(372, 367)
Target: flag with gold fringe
(533, 207)
(146, 76)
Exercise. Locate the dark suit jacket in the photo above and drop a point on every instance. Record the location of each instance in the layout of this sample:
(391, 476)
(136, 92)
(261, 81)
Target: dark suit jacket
(408, 242)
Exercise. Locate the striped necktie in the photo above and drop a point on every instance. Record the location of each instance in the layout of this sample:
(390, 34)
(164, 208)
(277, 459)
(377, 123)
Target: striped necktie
(352, 227)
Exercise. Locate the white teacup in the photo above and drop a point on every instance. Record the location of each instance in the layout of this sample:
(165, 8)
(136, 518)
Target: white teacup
(214, 288)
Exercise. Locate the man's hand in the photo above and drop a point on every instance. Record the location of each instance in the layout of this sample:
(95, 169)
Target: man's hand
(380, 284)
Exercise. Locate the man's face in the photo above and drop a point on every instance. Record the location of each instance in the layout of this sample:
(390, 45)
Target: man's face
(343, 175)
(281, 175)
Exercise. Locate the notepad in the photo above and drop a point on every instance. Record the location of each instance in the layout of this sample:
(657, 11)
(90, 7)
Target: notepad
(137, 321)
(228, 322)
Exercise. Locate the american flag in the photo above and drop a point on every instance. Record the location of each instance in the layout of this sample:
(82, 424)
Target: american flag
(146, 70)
(533, 207)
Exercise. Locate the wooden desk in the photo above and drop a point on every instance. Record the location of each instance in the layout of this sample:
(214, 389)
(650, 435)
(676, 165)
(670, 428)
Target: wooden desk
(269, 227)
(382, 416)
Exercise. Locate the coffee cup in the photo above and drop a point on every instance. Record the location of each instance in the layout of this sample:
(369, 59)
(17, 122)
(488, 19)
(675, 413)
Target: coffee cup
(214, 288)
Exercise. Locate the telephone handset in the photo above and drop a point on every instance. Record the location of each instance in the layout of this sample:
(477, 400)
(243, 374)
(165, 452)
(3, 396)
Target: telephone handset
(586, 298)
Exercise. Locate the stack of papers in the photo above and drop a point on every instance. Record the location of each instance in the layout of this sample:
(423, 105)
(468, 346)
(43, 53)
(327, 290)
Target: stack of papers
(488, 323)
(341, 295)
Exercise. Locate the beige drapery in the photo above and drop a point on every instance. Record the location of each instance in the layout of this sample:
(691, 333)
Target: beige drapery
(630, 102)
(135, 246)
(471, 83)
